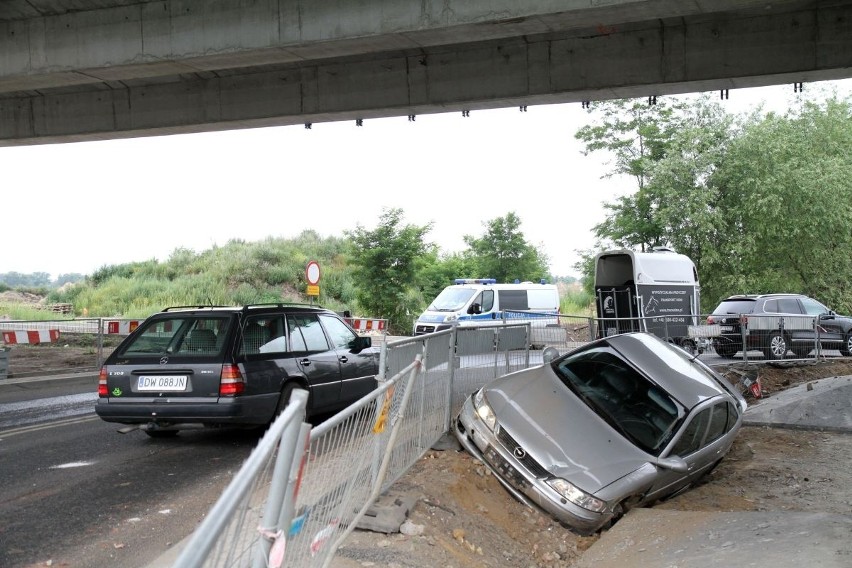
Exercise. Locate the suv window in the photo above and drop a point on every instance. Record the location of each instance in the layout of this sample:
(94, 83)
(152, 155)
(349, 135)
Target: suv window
(734, 307)
(813, 308)
(782, 306)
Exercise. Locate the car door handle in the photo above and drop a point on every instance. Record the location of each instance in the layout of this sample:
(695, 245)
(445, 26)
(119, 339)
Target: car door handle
(344, 359)
(305, 362)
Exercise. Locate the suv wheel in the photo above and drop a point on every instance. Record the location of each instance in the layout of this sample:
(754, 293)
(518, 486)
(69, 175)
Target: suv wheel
(776, 347)
(724, 350)
(846, 348)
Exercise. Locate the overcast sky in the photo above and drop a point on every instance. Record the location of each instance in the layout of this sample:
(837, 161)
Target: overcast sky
(76, 207)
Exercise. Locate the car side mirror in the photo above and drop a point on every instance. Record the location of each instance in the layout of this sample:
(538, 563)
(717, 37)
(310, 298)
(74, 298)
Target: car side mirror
(474, 308)
(674, 463)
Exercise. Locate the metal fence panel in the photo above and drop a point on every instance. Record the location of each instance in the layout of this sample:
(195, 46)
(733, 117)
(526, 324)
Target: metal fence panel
(359, 453)
(244, 526)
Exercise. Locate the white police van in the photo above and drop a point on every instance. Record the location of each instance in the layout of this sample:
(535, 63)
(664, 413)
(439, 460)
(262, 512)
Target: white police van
(481, 301)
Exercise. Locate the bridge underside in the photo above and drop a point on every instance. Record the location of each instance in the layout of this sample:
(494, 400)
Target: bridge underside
(805, 42)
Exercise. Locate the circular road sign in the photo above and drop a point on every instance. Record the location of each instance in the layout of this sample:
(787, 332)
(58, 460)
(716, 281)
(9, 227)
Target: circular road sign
(312, 273)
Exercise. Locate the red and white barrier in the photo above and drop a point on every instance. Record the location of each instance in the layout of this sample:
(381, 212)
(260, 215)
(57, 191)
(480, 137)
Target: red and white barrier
(359, 324)
(32, 337)
(124, 327)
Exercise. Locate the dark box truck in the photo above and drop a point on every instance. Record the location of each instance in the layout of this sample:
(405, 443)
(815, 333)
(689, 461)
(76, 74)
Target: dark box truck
(657, 292)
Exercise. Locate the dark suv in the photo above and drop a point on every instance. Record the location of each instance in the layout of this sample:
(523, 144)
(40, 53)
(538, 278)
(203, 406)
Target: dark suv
(190, 367)
(778, 323)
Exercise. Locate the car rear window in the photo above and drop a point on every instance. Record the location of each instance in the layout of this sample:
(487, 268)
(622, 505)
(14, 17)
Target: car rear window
(734, 307)
(180, 335)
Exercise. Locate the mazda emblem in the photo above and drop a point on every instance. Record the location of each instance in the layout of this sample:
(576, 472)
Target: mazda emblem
(519, 453)
(164, 360)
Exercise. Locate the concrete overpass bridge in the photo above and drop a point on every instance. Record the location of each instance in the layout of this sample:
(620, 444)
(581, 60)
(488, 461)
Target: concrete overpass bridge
(74, 70)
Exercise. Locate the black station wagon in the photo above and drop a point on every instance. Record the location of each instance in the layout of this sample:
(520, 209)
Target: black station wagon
(193, 367)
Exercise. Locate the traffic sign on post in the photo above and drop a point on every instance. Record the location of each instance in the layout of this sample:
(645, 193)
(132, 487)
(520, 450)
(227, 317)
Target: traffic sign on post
(312, 274)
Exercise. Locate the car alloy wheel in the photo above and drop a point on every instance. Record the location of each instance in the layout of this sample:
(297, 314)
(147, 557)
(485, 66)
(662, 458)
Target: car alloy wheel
(777, 346)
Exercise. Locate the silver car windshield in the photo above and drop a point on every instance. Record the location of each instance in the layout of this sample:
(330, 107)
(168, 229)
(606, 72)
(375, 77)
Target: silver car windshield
(633, 405)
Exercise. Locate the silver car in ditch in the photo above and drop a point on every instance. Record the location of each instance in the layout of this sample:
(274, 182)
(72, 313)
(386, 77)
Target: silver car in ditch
(621, 422)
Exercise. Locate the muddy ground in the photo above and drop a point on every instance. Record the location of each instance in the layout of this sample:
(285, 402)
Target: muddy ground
(468, 519)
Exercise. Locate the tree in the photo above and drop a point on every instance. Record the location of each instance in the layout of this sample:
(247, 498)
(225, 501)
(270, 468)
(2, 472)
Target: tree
(437, 271)
(641, 137)
(503, 252)
(761, 203)
(385, 262)
(785, 187)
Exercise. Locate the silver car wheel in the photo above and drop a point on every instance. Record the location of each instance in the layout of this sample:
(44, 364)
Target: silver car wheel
(777, 346)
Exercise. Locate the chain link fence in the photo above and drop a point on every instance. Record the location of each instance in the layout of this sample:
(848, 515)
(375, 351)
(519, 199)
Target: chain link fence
(713, 338)
(62, 346)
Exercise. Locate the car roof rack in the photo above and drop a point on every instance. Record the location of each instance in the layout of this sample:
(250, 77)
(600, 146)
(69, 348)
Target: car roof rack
(283, 305)
(198, 307)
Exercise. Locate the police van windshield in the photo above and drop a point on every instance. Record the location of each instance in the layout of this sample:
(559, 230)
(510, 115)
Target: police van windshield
(452, 299)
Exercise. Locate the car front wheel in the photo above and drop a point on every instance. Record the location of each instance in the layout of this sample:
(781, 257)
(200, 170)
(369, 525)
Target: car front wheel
(776, 347)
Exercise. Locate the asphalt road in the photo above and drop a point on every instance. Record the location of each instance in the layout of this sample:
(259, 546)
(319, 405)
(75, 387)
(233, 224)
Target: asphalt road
(74, 492)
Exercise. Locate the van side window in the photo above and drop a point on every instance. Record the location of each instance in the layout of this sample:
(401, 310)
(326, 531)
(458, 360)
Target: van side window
(306, 333)
(487, 300)
(513, 300)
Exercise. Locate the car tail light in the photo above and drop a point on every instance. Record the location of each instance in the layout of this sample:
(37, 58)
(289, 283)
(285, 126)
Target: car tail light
(232, 382)
(102, 383)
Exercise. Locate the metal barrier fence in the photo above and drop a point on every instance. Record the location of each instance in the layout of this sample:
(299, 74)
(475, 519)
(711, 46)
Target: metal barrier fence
(764, 337)
(79, 345)
(359, 453)
(243, 526)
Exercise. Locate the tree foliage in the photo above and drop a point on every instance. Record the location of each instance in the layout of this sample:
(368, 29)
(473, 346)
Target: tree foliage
(760, 203)
(785, 209)
(503, 253)
(385, 262)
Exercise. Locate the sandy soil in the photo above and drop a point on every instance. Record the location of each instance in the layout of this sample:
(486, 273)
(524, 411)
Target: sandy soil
(468, 519)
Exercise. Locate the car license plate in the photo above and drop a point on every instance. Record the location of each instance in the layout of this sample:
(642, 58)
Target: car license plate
(508, 472)
(161, 383)
(727, 328)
